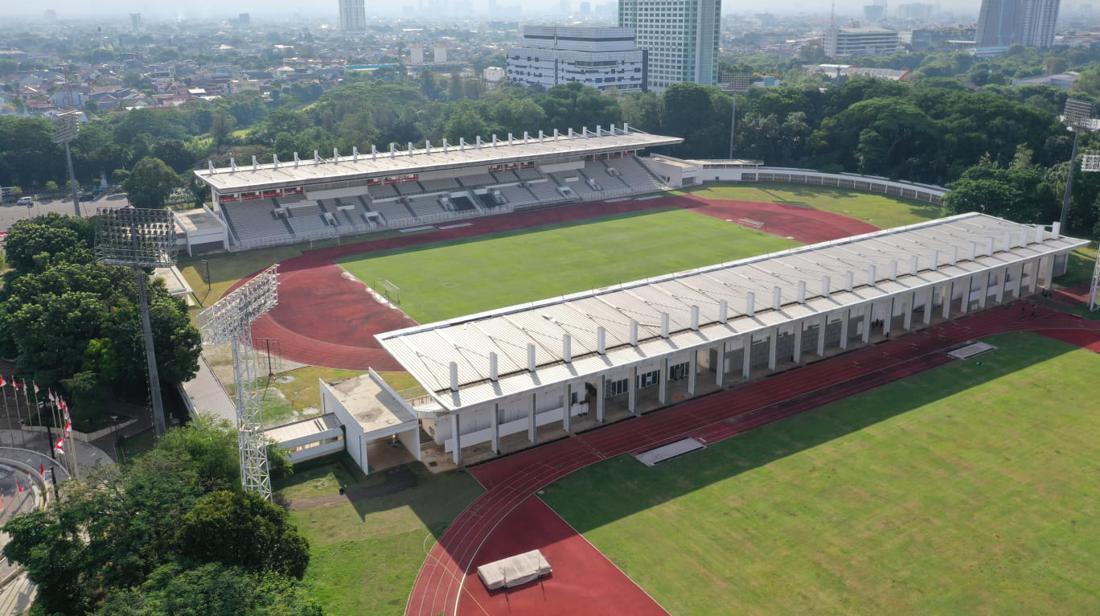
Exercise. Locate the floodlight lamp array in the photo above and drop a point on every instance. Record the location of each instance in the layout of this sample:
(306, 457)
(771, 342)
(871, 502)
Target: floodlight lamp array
(235, 312)
(1078, 113)
(1090, 163)
(135, 237)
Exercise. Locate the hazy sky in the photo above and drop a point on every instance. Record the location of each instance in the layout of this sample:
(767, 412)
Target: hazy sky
(88, 8)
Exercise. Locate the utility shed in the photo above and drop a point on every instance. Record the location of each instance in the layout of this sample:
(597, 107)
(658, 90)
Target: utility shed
(380, 428)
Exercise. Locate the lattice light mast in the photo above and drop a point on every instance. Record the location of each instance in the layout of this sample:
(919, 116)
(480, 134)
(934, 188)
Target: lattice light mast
(139, 239)
(1078, 118)
(230, 320)
(66, 128)
(1094, 288)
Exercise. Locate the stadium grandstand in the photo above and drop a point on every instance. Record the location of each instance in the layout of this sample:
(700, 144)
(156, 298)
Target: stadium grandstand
(284, 202)
(505, 379)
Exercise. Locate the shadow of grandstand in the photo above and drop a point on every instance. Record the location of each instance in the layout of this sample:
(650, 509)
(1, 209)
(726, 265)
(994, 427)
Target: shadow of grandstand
(622, 486)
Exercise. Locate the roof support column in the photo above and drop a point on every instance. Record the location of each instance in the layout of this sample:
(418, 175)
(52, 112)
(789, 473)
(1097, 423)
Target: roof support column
(720, 365)
(888, 322)
(693, 365)
(868, 314)
(566, 407)
(821, 329)
(967, 286)
(773, 345)
(983, 299)
(662, 382)
(929, 304)
(496, 428)
(601, 394)
(456, 453)
(1002, 276)
(796, 356)
(746, 362)
(632, 391)
(948, 294)
(846, 318)
(907, 308)
(532, 428)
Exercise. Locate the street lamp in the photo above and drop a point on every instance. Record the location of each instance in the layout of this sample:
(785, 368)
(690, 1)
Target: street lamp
(139, 238)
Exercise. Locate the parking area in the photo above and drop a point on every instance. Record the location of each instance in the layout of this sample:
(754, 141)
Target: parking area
(10, 212)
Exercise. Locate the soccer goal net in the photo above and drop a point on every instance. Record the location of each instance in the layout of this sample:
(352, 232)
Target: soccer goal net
(390, 290)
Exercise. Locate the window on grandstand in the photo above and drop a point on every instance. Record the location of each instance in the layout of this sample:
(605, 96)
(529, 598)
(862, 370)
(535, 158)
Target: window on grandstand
(649, 379)
(614, 389)
(678, 372)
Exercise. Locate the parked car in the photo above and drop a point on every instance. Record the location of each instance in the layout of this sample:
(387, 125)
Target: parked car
(25, 201)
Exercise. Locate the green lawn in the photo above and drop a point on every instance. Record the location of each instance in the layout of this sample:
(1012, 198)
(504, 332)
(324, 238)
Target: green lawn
(968, 489)
(878, 210)
(364, 555)
(440, 281)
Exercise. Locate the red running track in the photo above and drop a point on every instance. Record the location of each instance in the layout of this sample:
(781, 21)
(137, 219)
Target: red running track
(509, 482)
(328, 318)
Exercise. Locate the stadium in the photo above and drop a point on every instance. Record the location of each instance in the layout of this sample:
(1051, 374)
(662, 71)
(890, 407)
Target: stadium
(568, 312)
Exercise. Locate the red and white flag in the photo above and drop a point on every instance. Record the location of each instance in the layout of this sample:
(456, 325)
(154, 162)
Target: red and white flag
(20, 486)
(35, 383)
(3, 381)
(42, 469)
(14, 383)
(59, 446)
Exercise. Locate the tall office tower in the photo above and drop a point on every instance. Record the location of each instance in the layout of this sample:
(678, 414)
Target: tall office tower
(1003, 23)
(353, 15)
(681, 37)
(1037, 29)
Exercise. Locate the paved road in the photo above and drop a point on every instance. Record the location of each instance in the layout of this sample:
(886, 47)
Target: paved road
(10, 213)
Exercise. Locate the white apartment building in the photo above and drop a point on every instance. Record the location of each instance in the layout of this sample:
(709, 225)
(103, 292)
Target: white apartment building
(353, 15)
(857, 42)
(680, 36)
(603, 58)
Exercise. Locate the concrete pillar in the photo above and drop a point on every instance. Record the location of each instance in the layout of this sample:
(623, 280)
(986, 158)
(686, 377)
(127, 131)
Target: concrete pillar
(720, 368)
(532, 428)
(846, 318)
(632, 391)
(662, 382)
(983, 297)
(601, 394)
(907, 308)
(746, 363)
(967, 285)
(888, 322)
(796, 356)
(773, 344)
(929, 304)
(821, 328)
(693, 364)
(566, 408)
(1003, 282)
(496, 428)
(456, 454)
(948, 293)
(868, 313)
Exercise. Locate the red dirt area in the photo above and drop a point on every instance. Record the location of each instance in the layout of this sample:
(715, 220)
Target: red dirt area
(326, 318)
(583, 581)
(444, 584)
(802, 224)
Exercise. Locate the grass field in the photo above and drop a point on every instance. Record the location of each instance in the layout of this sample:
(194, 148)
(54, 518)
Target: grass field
(365, 554)
(967, 489)
(440, 281)
(878, 210)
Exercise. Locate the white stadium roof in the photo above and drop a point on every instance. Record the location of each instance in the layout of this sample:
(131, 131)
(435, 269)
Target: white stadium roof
(402, 162)
(940, 250)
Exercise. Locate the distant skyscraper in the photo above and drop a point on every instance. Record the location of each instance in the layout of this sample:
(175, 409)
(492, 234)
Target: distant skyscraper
(135, 21)
(353, 15)
(1004, 23)
(681, 37)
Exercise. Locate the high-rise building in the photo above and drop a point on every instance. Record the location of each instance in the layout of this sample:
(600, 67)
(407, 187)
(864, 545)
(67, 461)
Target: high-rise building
(1004, 23)
(857, 42)
(680, 36)
(603, 58)
(353, 15)
(135, 21)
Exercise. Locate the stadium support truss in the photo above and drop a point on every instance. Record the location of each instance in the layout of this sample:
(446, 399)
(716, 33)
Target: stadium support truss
(139, 239)
(230, 321)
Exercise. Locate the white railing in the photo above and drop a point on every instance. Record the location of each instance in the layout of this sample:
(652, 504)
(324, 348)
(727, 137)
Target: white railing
(872, 184)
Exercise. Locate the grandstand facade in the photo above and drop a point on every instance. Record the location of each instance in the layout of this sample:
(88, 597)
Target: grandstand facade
(284, 202)
(505, 379)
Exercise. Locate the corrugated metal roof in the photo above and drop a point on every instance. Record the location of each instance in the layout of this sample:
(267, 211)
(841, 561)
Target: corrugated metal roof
(811, 280)
(344, 168)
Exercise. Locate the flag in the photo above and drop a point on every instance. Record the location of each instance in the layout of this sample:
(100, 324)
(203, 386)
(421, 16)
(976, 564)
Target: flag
(35, 383)
(59, 446)
(14, 383)
(20, 487)
(3, 381)
(42, 469)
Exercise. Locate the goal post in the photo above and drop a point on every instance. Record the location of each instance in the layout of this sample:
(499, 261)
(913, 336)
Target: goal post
(390, 290)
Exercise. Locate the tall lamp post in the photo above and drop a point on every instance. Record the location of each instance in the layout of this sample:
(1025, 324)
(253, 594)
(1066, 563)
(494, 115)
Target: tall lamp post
(139, 238)
(734, 84)
(230, 320)
(1078, 118)
(66, 128)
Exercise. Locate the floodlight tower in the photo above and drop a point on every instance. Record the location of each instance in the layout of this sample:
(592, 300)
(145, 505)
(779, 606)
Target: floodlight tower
(66, 127)
(230, 320)
(139, 238)
(1078, 118)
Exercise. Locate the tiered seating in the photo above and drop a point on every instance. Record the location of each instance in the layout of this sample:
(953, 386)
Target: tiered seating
(505, 177)
(255, 220)
(463, 203)
(409, 188)
(392, 211)
(425, 205)
(528, 174)
(581, 187)
(634, 175)
(518, 195)
(440, 185)
(476, 181)
(385, 191)
(306, 219)
(546, 192)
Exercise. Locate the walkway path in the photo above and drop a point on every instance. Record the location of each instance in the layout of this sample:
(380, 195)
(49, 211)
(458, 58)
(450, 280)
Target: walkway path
(509, 482)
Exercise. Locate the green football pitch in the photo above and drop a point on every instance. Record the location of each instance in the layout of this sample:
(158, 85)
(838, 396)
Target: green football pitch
(970, 488)
(440, 281)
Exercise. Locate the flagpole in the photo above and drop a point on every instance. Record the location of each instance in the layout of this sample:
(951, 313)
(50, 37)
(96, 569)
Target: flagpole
(18, 413)
(38, 409)
(55, 420)
(7, 413)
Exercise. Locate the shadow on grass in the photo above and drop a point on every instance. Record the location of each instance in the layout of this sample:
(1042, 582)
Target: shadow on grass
(624, 486)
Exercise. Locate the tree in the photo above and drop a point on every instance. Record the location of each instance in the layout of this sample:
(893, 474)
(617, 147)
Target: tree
(150, 182)
(242, 529)
(36, 243)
